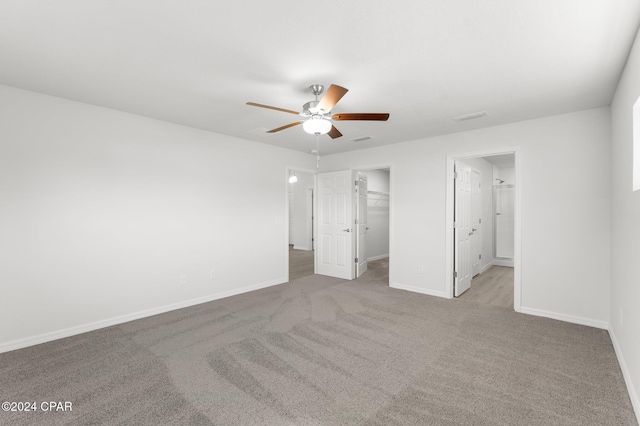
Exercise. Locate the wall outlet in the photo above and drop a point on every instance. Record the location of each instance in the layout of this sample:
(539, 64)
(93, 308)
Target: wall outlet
(421, 269)
(183, 279)
(213, 274)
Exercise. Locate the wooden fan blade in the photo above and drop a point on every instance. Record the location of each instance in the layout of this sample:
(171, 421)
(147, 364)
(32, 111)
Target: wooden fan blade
(331, 98)
(272, 107)
(284, 127)
(334, 133)
(362, 116)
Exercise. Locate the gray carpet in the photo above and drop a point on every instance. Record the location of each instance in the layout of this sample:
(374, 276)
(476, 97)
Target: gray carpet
(323, 351)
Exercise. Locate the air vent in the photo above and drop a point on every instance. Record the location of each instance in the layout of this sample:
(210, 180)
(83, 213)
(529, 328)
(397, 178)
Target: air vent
(361, 138)
(470, 116)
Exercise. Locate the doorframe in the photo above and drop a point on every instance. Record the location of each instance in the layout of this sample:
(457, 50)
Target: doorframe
(363, 168)
(391, 168)
(287, 170)
(449, 212)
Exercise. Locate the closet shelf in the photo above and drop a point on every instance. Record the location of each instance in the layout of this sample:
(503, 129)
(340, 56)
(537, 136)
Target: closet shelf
(378, 196)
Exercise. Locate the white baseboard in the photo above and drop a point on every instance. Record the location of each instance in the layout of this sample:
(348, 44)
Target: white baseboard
(301, 248)
(503, 262)
(635, 401)
(419, 290)
(567, 318)
(79, 329)
(382, 256)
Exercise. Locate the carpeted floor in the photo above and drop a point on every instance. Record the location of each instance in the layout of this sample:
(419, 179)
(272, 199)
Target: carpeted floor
(323, 351)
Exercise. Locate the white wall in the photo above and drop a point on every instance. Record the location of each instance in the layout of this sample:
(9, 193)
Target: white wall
(625, 277)
(565, 270)
(101, 212)
(377, 214)
(486, 179)
(507, 174)
(301, 215)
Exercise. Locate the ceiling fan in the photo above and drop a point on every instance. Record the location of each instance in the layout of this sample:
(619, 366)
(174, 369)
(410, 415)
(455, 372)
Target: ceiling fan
(318, 115)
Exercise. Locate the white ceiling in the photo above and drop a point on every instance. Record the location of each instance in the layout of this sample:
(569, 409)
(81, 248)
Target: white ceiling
(424, 61)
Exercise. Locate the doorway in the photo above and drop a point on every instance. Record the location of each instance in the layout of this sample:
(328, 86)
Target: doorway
(488, 278)
(353, 222)
(378, 220)
(300, 207)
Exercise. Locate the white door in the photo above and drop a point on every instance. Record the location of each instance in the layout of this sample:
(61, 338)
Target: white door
(462, 228)
(476, 222)
(335, 225)
(361, 220)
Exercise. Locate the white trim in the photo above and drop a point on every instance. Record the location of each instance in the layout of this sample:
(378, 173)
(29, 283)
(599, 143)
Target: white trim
(449, 198)
(301, 248)
(566, 318)
(382, 256)
(84, 328)
(503, 262)
(635, 400)
(419, 290)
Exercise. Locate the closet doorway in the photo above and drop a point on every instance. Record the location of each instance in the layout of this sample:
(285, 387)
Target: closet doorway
(483, 228)
(376, 247)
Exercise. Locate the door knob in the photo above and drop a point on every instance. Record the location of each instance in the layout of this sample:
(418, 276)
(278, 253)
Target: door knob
(347, 230)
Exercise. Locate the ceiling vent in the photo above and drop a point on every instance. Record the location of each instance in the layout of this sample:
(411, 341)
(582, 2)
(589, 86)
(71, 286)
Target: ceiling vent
(361, 138)
(470, 116)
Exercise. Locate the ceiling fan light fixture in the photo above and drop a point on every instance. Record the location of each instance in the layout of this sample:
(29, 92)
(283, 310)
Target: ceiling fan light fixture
(317, 125)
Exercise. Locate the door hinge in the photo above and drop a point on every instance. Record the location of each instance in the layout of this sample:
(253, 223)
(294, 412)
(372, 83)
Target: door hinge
(455, 175)
(480, 220)
(356, 183)
(479, 256)
(356, 221)
(454, 223)
(455, 275)
(356, 260)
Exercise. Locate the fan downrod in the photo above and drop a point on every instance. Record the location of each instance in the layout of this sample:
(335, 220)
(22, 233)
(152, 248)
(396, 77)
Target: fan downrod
(316, 89)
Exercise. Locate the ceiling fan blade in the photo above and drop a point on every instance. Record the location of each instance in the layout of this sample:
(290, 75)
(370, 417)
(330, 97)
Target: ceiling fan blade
(334, 133)
(284, 127)
(272, 107)
(362, 116)
(331, 98)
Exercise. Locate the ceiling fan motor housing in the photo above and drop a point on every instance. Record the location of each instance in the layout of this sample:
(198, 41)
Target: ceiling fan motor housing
(311, 108)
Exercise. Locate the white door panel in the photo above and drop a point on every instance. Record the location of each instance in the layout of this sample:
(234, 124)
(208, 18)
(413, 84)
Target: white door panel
(462, 228)
(361, 214)
(335, 230)
(476, 223)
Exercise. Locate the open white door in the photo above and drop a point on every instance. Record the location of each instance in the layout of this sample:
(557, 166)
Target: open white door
(361, 221)
(335, 224)
(476, 222)
(462, 228)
